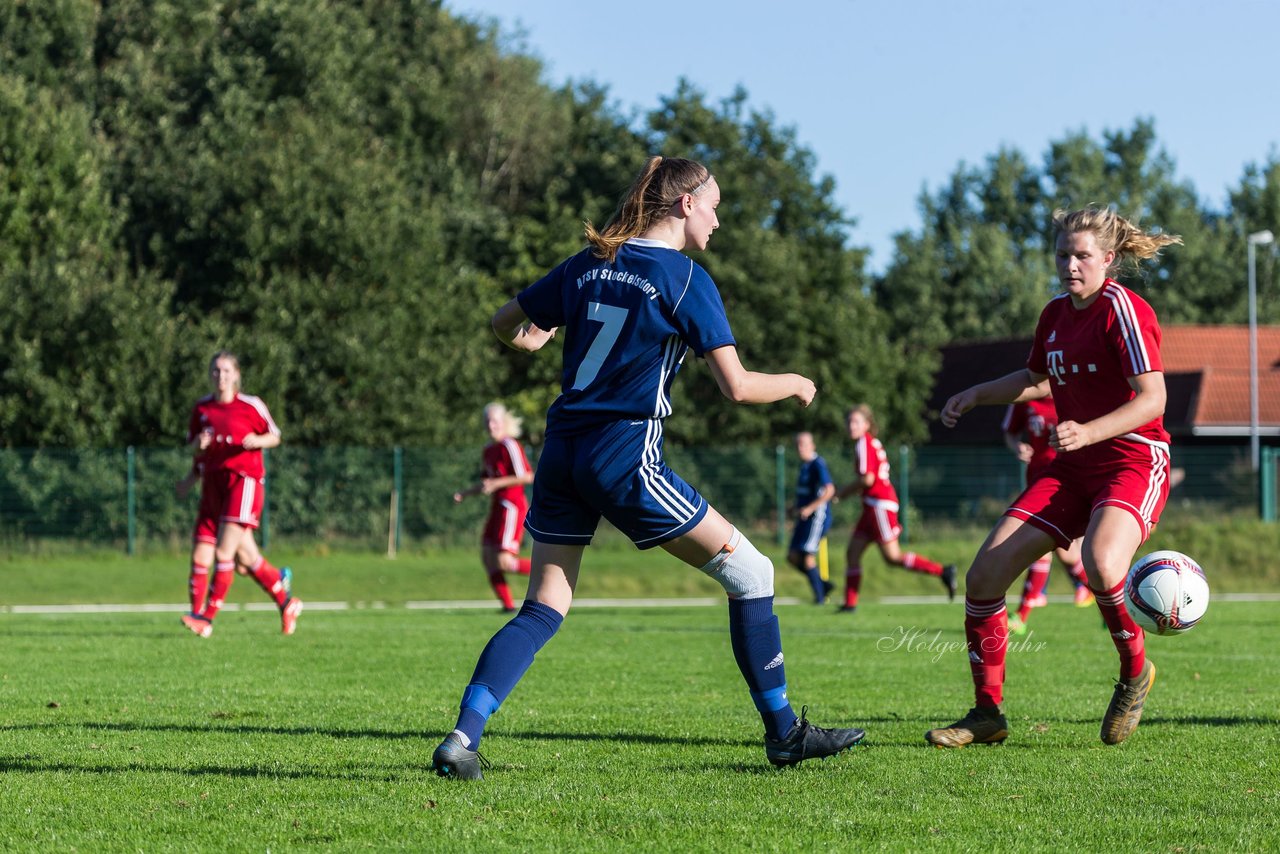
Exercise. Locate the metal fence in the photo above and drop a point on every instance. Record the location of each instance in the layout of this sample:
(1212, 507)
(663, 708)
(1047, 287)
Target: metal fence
(399, 497)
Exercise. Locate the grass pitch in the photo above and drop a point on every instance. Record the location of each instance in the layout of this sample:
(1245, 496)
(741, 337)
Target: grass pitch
(633, 731)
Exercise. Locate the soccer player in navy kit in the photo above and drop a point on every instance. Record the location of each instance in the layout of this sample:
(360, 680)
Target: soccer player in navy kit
(1097, 351)
(631, 305)
(814, 491)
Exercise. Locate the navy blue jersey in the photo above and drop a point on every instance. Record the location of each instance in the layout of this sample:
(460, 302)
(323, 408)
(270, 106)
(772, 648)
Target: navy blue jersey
(814, 476)
(627, 325)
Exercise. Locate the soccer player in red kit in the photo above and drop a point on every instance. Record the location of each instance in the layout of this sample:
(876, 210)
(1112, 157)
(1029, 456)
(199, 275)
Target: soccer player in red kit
(879, 521)
(506, 474)
(1026, 429)
(1097, 351)
(228, 432)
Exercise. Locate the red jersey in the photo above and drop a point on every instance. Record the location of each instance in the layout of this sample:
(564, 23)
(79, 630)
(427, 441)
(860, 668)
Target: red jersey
(869, 456)
(1033, 419)
(506, 459)
(230, 423)
(1089, 355)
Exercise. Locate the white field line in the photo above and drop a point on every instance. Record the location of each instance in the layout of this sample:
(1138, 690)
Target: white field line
(489, 604)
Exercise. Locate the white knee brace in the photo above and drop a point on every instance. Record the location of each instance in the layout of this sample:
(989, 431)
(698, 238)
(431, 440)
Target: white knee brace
(741, 569)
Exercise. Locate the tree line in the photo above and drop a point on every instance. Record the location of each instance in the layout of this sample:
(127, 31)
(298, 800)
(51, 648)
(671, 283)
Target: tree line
(342, 193)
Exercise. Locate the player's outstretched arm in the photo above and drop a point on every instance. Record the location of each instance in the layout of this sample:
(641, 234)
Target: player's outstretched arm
(1017, 387)
(743, 386)
(1147, 403)
(513, 328)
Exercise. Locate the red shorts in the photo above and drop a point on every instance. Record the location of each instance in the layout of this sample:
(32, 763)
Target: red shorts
(504, 528)
(1063, 499)
(879, 521)
(227, 496)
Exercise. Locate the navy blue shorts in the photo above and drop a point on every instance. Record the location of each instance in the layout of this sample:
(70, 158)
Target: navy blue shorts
(809, 532)
(615, 471)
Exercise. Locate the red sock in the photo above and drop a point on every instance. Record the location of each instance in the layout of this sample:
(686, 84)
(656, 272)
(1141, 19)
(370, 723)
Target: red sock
(1078, 574)
(524, 565)
(852, 581)
(198, 586)
(1033, 588)
(919, 563)
(986, 629)
(1125, 633)
(224, 573)
(499, 585)
(268, 578)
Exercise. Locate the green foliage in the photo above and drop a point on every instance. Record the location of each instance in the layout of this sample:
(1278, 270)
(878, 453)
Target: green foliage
(343, 193)
(982, 265)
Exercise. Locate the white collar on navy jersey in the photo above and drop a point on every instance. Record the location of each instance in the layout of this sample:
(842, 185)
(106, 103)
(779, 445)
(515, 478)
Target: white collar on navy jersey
(652, 242)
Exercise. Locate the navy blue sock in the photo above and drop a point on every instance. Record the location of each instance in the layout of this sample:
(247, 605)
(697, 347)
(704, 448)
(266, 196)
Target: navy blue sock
(503, 662)
(815, 581)
(757, 647)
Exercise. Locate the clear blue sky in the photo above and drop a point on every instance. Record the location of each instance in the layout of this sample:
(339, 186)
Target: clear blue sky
(892, 96)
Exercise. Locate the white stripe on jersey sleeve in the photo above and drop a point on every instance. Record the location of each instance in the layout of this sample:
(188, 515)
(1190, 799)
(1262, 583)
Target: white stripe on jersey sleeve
(860, 453)
(1139, 360)
(688, 280)
(518, 467)
(256, 403)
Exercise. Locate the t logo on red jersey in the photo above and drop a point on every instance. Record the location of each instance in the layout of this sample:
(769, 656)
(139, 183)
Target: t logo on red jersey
(1057, 366)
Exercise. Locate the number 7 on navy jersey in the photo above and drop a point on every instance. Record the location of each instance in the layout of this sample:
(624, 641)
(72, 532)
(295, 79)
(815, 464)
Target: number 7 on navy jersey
(612, 319)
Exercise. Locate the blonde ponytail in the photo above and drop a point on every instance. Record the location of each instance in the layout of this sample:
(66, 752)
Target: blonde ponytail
(649, 198)
(1113, 232)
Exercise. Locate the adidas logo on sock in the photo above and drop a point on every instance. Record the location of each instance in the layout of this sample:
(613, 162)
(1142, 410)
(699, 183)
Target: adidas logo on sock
(777, 662)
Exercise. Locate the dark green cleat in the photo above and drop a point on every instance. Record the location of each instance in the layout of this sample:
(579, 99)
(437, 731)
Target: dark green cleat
(454, 761)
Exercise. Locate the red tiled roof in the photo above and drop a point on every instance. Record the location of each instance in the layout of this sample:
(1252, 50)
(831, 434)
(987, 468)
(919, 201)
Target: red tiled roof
(1220, 354)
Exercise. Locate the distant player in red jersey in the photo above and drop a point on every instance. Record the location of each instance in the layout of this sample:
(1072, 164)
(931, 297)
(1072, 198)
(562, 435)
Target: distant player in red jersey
(228, 432)
(506, 474)
(1097, 351)
(1026, 430)
(879, 521)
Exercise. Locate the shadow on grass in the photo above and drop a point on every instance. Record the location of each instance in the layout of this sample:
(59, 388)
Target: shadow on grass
(13, 764)
(875, 741)
(430, 736)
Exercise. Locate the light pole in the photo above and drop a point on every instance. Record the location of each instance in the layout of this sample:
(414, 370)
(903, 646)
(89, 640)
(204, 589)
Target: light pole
(1256, 239)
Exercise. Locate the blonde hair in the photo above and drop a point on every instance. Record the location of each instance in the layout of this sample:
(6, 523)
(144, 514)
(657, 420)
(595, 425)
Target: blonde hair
(230, 357)
(649, 198)
(1113, 232)
(511, 424)
(865, 411)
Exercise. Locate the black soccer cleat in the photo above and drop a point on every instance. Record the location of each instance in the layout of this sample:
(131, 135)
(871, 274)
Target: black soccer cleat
(809, 741)
(454, 761)
(949, 581)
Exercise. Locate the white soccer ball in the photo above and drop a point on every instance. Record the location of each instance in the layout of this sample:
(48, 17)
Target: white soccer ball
(1166, 592)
